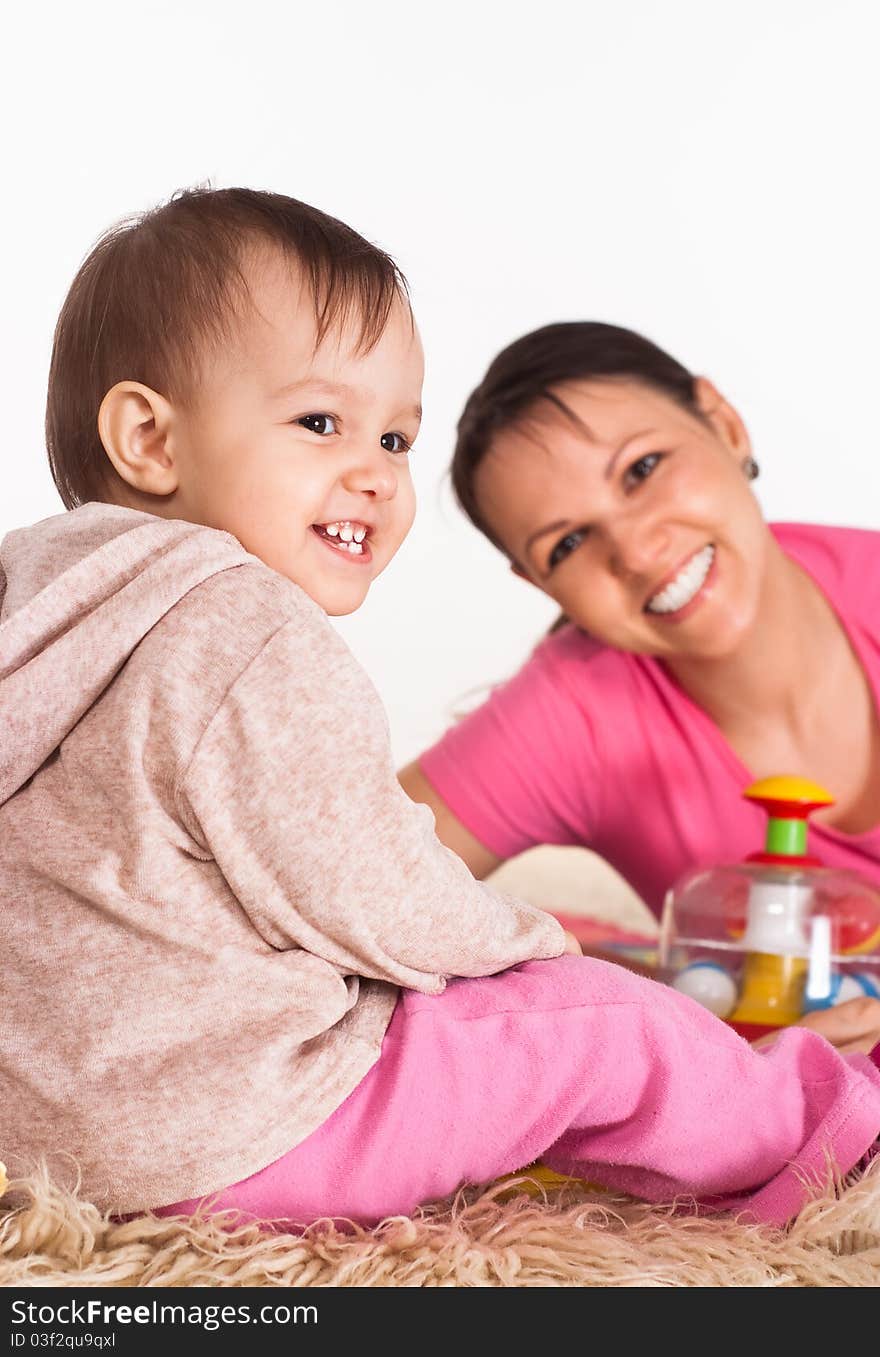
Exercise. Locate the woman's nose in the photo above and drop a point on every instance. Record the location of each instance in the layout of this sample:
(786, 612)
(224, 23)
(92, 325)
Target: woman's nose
(369, 473)
(637, 544)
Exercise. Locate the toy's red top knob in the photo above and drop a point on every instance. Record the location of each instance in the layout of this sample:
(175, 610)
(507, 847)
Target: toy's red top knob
(788, 801)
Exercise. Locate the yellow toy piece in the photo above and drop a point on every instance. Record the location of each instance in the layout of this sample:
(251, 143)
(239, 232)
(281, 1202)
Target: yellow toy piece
(537, 1178)
(4, 1181)
(785, 788)
(772, 990)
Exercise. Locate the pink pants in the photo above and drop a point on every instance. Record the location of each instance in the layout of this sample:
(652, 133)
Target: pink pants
(594, 1070)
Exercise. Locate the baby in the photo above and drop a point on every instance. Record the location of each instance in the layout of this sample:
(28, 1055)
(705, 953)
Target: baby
(238, 960)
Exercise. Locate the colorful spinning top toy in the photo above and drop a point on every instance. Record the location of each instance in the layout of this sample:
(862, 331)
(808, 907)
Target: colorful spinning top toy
(766, 940)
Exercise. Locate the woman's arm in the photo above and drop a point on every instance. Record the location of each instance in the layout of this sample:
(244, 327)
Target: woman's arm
(451, 832)
(450, 829)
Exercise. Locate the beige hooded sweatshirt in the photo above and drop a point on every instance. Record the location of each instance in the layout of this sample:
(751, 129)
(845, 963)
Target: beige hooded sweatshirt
(211, 883)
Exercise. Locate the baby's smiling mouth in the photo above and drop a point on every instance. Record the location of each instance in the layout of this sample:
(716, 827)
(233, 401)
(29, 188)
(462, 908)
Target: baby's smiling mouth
(346, 536)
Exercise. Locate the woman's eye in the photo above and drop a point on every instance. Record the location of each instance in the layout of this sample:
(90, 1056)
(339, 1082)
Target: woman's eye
(395, 442)
(564, 547)
(322, 424)
(642, 469)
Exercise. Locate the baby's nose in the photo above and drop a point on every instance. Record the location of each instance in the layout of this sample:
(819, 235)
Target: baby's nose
(370, 474)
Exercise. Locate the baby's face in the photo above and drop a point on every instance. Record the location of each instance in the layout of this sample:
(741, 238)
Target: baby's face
(302, 452)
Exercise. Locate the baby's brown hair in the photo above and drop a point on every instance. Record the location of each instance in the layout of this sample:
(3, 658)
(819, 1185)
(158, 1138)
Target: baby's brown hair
(161, 289)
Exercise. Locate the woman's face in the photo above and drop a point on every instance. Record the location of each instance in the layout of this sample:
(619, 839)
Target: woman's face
(636, 515)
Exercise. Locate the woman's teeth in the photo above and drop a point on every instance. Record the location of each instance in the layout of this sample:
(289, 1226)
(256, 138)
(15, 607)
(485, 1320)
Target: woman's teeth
(686, 585)
(345, 536)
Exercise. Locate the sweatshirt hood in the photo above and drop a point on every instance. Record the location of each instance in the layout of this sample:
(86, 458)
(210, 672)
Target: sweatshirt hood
(78, 592)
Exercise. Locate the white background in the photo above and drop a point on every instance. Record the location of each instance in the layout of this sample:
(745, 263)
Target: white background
(705, 172)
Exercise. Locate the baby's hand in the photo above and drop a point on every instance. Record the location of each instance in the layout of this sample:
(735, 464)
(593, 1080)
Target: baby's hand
(853, 1026)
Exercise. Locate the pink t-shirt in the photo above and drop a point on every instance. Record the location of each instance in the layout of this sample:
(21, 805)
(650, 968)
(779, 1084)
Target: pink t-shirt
(591, 746)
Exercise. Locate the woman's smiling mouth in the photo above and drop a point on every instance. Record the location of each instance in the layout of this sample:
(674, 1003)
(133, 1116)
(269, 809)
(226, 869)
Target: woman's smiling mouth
(675, 596)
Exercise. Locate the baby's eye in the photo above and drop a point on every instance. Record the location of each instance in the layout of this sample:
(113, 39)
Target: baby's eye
(564, 547)
(395, 442)
(322, 424)
(644, 466)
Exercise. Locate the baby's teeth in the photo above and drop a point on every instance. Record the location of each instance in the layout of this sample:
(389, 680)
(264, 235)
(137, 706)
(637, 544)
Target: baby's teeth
(350, 538)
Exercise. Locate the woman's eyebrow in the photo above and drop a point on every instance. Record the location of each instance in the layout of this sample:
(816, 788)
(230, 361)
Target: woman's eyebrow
(609, 470)
(542, 532)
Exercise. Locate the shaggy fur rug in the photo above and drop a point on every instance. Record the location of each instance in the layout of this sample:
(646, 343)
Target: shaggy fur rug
(508, 1235)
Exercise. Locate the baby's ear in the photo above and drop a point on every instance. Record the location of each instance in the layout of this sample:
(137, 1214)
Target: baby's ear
(134, 424)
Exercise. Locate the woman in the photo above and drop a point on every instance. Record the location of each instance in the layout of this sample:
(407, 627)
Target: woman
(702, 648)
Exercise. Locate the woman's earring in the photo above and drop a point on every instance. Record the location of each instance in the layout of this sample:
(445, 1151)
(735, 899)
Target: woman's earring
(751, 468)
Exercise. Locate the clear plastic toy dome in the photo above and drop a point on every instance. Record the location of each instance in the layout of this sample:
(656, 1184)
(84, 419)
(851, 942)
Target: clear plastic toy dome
(763, 942)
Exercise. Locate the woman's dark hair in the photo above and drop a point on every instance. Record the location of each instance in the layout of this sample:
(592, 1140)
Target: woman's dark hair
(527, 371)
